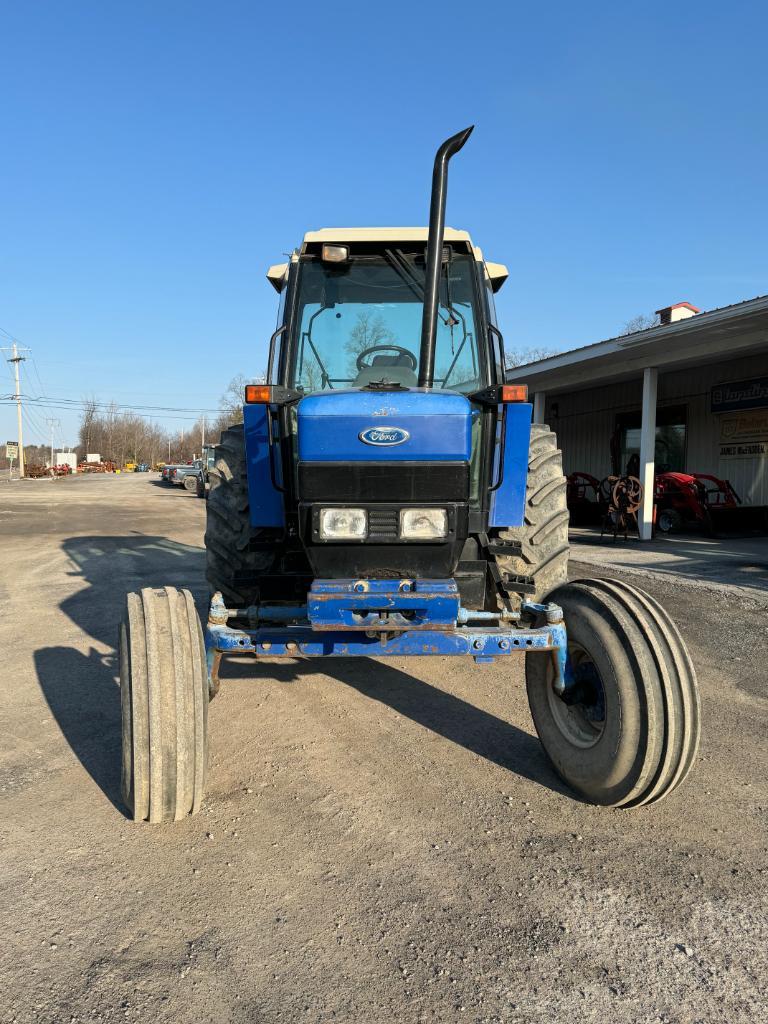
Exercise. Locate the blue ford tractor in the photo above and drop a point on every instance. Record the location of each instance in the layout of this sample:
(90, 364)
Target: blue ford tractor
(386, 496)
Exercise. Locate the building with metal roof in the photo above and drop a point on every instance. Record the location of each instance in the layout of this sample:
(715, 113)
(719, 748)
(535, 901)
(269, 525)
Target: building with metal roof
(688, 395)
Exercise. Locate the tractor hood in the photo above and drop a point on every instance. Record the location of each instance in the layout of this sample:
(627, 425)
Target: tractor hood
(384, 426)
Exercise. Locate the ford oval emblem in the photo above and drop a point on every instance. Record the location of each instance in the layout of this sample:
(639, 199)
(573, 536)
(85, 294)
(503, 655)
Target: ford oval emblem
(383, 436)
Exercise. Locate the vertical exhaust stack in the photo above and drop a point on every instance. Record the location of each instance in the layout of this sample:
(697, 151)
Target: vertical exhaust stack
(435, 254)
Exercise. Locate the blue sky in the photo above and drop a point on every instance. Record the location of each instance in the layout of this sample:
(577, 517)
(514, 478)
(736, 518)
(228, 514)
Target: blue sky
(158, 156)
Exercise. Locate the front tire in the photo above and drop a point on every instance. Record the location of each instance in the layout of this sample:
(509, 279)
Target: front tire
(164, 700)
(631, 734)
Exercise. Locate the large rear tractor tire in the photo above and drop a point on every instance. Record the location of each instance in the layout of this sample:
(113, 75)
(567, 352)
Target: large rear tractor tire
(543, 537)
(228, 533)
(628, 732)
(164, 699)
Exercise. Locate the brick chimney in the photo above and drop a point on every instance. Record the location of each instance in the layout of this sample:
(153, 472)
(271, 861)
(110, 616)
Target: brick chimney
(680, 311)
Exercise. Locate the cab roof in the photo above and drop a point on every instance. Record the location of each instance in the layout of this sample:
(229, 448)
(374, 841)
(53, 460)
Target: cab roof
(278, 274)
(381, 235)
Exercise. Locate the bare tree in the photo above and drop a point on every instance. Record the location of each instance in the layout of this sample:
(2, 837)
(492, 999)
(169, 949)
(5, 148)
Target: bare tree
(231, 402)
(641, 322)
(521, 356)
(87, 422)
(369, 330)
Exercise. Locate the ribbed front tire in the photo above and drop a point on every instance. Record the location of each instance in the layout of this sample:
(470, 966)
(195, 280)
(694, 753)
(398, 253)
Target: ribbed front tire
(164, 699)
(632, 734)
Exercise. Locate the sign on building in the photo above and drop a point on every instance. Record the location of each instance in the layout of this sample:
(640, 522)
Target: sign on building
(740, 394)
(11, 450)
(744, 435)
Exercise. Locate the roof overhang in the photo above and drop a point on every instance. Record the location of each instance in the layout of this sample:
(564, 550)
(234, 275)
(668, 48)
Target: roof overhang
(730, 332)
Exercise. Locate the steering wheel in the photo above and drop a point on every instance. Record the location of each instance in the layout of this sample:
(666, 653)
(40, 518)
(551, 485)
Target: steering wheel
(361, 364)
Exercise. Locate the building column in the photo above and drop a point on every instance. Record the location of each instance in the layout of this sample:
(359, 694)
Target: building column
(648, 450)
(539, 401)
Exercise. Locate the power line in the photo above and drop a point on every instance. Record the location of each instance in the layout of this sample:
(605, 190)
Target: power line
(189, 418)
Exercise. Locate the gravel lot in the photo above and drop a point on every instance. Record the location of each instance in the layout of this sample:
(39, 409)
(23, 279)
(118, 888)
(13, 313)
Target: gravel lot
(381, 841)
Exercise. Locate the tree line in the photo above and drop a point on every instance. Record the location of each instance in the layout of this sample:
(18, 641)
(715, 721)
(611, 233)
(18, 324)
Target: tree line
(121, 436)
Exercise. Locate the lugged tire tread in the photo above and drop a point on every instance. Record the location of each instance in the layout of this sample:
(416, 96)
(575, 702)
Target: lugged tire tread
(228, 532)
(543, 537)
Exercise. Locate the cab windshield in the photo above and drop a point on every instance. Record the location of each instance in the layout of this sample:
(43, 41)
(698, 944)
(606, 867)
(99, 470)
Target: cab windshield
(360, 322)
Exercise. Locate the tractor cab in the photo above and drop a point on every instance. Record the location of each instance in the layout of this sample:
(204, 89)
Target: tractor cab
(367, 422)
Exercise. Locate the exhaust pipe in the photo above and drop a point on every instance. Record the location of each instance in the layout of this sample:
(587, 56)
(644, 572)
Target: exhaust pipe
(435, 254)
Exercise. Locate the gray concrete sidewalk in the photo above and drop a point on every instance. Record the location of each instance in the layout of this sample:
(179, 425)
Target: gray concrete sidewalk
(740, 562)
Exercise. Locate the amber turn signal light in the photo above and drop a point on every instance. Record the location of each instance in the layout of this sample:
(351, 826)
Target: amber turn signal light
(514, 392)
(258, 393)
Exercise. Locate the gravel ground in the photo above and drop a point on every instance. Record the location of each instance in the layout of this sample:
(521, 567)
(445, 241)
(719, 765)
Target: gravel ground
(381, 841)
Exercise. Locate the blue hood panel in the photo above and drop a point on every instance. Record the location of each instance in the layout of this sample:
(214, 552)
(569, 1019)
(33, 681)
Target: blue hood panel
(400, 426)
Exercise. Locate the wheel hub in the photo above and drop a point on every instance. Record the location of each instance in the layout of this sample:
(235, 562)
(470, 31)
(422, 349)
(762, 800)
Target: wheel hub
(580, 710)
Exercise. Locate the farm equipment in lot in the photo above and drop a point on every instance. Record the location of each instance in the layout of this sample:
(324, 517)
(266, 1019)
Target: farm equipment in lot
(624, 495)
(387, 495)
(208, 461)
(586, 501)
(685, 499)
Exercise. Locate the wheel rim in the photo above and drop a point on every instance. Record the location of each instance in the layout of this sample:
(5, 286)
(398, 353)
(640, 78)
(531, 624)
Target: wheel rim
(582, 722)
(665, 522)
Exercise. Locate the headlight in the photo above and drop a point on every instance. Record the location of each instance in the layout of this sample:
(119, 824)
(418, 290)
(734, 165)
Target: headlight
(343, 523)
(423, 523)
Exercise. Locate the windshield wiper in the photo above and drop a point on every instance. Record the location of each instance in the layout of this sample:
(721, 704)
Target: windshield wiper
(403, 268)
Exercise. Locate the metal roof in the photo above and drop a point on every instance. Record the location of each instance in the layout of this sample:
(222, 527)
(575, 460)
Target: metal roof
(735, 330)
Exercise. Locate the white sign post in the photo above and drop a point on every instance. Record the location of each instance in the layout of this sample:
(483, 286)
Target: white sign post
(11, 453)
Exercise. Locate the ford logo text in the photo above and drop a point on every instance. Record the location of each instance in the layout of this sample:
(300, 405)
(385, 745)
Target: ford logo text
(383, 436)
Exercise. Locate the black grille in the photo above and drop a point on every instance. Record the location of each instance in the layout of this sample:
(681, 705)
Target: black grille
(383, 523)
(384, 481)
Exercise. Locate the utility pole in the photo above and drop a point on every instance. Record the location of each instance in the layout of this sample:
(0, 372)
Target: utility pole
(202, 439)
(16, 359)
(52, 424)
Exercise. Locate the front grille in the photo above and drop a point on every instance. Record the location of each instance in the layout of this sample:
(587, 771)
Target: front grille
(383, 523)
(384, 481)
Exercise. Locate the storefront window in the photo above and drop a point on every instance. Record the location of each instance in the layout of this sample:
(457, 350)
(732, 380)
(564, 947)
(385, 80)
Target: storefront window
(670, 439)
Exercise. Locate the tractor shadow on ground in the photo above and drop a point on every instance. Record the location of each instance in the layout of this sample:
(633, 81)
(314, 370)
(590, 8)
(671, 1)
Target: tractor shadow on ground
(478, 731)
(82, 690)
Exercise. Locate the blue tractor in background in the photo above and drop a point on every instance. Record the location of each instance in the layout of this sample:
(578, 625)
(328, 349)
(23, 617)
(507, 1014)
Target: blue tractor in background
(385, 496)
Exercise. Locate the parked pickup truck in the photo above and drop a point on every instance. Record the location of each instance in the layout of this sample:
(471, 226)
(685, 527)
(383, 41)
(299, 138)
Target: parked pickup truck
(165, 471)
(186, 476)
